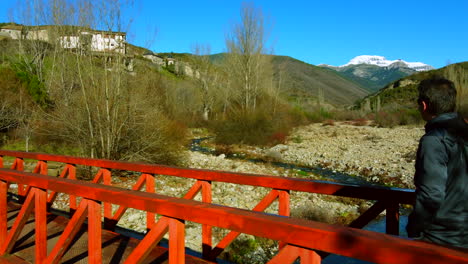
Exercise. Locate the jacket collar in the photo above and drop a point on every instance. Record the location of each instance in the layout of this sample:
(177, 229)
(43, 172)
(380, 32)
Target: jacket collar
(453, 122)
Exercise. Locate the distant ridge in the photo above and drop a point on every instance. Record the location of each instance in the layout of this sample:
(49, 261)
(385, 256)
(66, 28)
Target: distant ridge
(300, 77)
(303, 81)
(403, 92)
(383, 62)
(374, 72)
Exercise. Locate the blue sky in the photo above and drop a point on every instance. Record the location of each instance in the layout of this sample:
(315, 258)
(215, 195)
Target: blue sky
(315, 31)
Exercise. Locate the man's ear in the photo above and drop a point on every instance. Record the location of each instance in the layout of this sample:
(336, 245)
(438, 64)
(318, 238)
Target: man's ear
(424, 105)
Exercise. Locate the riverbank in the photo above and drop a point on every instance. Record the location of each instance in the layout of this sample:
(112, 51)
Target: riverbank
(380, 155)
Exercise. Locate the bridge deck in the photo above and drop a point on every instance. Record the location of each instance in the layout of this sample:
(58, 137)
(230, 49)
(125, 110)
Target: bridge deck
(115, 247)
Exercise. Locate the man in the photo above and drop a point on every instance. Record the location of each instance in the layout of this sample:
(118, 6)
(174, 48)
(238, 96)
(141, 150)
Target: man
(440, 212)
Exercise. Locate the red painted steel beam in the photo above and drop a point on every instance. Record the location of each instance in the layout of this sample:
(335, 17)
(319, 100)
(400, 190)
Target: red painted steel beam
(392, 215)
(94, 232)
(207, 231)
(150, 188)
(360, 244)
(40, 218)
(176, 241)
(3, 213)
(404, 196)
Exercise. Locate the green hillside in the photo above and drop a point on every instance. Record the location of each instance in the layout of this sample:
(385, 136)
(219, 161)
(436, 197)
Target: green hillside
(304, 81)
(301, 78)
(403, 92)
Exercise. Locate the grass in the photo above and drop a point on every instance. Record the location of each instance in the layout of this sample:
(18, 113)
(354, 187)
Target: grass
(20, 145)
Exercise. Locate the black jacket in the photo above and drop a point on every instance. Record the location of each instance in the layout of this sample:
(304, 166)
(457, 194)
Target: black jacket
(440, 213)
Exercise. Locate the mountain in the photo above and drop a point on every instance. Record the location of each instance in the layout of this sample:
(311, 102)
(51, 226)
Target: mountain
(383, 62)
(303, 81)
(403, 92)
(374, 72)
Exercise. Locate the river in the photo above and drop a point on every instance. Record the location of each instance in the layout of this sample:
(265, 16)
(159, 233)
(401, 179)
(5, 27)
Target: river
(376, 226)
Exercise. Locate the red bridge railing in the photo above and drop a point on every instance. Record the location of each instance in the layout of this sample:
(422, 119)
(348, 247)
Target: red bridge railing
(298, 238)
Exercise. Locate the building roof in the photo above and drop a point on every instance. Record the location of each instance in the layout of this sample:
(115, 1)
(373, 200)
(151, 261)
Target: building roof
(13, 27)
(67, 29)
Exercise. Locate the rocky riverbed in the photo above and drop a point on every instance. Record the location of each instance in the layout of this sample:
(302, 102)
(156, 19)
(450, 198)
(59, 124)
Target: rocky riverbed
(383, 155)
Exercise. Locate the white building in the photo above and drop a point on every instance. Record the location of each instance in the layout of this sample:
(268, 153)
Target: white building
(13, 31)
(79, 38)
(154, 58)
(96, 41)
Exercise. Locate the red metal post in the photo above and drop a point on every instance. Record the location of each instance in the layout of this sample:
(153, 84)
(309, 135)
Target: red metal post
(1, 161)
(94, 232)
(392, 218)
(3, 212)
(106, 174)
(18, 164)
(283, 208)
(72, 175)
(150, 187)
(40, 224)
(309, 256)
(207, 231)
(176, 241)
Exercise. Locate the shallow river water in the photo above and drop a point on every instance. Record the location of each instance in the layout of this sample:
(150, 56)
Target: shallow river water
(376, 226)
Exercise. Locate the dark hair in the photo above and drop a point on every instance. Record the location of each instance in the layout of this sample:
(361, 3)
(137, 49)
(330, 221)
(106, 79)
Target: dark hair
(439, 94)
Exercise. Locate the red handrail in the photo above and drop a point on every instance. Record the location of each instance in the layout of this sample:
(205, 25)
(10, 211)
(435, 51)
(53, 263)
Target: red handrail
(396, 195)
(301, 236)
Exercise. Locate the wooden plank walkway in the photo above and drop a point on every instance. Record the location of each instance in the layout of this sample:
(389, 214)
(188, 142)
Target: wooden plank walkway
(115, 247)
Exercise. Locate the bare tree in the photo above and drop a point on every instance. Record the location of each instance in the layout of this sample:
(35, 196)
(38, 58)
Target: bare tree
(247, 62)
(98, 105)
(459, 76)
(206, 76)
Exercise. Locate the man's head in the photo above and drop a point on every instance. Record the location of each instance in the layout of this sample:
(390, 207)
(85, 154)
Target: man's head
(436, 96)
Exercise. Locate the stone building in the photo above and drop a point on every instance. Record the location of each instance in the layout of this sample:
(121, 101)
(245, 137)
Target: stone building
(70, 37)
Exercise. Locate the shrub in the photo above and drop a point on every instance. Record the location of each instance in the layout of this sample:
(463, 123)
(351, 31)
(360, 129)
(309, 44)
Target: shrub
(278, 138)
(398, 117)
(347, 115)
(385, 119)
(259, 127)
(33, 84)
(318, 115)
(249, 128)
(328, 122)
(360, 122)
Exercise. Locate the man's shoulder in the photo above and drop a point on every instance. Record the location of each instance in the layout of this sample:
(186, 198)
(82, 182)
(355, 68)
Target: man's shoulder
(436, 134)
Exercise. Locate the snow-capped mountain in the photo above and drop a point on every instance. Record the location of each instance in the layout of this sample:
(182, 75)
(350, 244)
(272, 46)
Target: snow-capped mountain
(383, 62)
(374, 72)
